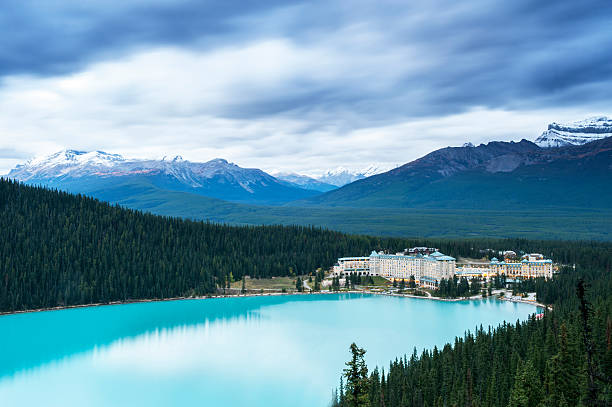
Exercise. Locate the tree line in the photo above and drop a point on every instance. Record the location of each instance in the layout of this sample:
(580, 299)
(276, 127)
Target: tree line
(60, 249)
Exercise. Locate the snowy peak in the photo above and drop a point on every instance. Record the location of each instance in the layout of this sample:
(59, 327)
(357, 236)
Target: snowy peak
(65, 163)
(74, 158)
(304, 181)
(341, 176)
(373, 169)
(576, 133)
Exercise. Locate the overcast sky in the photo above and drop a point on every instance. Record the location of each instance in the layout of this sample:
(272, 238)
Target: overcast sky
(295, 86)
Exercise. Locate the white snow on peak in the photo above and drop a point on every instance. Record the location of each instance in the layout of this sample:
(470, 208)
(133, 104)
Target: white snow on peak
(75, 157)
(341, 176)
(576, 133)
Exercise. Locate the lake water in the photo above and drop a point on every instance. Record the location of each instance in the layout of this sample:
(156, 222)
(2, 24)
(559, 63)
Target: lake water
(255, 351)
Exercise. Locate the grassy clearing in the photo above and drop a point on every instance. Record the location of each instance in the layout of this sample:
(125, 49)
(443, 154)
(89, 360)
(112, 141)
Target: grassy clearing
(380, 281)
(275, 283)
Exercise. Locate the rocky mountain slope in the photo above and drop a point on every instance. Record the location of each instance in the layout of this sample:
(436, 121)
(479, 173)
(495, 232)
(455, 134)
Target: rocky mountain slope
(497, 175)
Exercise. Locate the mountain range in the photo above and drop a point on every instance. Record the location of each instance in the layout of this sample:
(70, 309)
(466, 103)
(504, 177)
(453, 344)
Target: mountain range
(330, 179)
(433, 195)
(95, 173)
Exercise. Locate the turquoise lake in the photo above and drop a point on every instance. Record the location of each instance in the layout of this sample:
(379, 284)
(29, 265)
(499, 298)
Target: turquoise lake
(256, 351)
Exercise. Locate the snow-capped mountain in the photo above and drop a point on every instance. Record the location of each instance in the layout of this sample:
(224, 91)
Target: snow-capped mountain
(65, 163)
(87, 172)
(341, 176)
(576, 133)
(304, 181)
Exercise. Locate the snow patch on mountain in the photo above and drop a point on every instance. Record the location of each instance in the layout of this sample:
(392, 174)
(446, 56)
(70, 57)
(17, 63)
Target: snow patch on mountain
(341, 176)
(576, 133)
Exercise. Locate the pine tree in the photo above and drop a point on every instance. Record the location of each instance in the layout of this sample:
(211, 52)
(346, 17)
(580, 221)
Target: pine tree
(527, 390)
(357, 384)
(563, 380)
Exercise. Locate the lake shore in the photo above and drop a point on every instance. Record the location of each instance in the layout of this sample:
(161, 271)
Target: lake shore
(265, 294)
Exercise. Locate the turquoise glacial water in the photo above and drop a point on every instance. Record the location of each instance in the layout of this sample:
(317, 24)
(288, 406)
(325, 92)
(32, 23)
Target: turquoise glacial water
(255, 351)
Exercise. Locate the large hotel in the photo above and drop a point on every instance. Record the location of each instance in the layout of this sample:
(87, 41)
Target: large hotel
(429, 266)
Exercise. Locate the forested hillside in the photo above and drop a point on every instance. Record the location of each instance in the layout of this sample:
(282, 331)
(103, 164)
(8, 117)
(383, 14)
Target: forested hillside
(537, 363)
(61, 249)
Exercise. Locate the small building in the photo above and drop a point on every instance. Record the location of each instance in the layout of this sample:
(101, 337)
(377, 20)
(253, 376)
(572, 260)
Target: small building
(421, 250)
(350, 265)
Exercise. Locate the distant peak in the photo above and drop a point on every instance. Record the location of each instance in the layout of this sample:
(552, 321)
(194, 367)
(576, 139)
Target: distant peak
(576, 133)
(68, 153)
(589, 121)
(468, 145)
(219, 161)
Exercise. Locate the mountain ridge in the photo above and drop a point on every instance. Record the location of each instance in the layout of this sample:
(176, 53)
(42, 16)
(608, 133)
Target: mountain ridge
(454, 176)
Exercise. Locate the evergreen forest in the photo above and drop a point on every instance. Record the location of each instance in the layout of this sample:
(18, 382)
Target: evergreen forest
(59, 249)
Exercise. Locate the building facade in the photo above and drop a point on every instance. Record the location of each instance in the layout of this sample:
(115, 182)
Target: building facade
(349, 265)
(532, 265)
(427, 270)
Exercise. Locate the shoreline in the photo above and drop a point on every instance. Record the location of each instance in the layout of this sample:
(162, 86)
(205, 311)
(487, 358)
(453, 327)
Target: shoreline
(474, 298)
(429, 297)
(547, 307)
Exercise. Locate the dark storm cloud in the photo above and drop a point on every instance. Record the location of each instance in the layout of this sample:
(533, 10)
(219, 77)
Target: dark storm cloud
(447, 56)
(43, 37)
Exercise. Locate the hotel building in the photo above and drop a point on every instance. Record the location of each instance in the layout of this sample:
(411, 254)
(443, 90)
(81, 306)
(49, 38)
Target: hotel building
(428, 269)
(531, 266)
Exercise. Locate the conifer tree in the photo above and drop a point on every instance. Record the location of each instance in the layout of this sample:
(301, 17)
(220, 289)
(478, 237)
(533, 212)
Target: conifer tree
(357, 383)
(527, 390)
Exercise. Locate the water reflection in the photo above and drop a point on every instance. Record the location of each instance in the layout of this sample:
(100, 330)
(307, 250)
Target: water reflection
(259, 351)
(51, 335)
